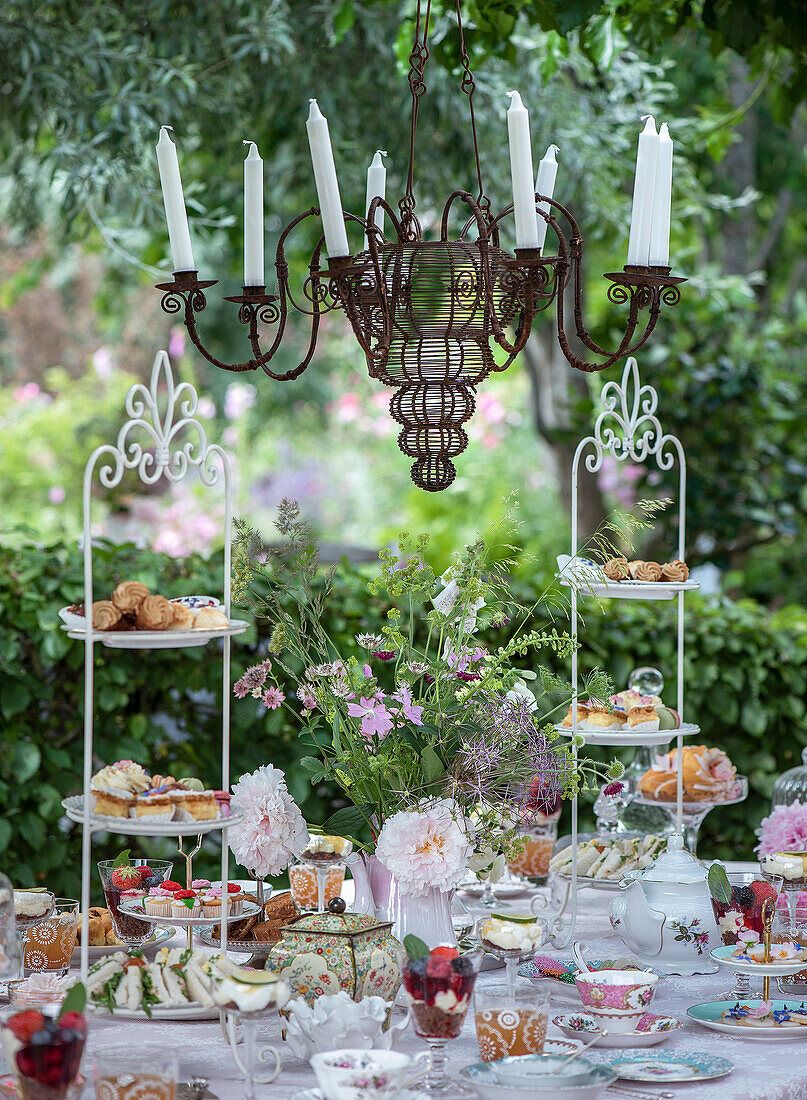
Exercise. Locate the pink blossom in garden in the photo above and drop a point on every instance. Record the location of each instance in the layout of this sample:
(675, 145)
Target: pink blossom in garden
(346, 408)
(240, 397)
(56, 494)
(176, 342)
(375, 718)
(273, 697)
(25, 393)
(102, 362)
(206, 408)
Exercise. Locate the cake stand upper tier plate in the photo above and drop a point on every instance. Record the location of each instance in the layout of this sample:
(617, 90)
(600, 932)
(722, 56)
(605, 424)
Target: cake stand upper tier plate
(628, 738)
(138, 826)
(159, 639)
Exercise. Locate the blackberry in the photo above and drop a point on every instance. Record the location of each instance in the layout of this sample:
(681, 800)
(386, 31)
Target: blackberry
(745, 897)
(463, 965)
(418, 967)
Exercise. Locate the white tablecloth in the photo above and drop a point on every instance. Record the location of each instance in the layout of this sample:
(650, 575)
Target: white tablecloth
(763, 1070)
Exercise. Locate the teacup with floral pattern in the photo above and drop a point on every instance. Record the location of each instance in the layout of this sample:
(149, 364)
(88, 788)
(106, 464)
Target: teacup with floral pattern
(620, 997)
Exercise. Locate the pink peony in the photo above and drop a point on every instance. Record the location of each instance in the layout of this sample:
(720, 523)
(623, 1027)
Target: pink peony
(783, 830)
(273, 830)
(424, 848)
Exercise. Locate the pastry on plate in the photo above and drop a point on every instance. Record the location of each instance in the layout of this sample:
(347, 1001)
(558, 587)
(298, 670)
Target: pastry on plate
(195, 805)
(601, 718)
(616, 569)
(582, 714)
(707, 773)
(154, 613)
(645, 570)
(210, 618)
(105, 616)
(676, 571)
(183, 616)
(129, 595)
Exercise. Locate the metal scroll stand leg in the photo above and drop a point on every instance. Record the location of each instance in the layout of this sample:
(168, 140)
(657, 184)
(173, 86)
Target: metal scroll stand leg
(188, 857)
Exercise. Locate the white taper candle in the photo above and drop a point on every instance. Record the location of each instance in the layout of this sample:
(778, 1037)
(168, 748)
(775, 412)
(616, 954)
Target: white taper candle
(662, 199)
(644, 186)
(253, 217)
(545, 185)
(175, 214)
(518, 132)
(330, 202)
(376, 188)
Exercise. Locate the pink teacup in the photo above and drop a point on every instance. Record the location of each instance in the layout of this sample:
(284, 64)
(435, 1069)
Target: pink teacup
(618, 997)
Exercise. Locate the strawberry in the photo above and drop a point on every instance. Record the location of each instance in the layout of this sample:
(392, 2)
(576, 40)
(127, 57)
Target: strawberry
(25, 1024)
(444, 952)
(126, 878)
(762, 891)
(74, 1020)
(438, 967)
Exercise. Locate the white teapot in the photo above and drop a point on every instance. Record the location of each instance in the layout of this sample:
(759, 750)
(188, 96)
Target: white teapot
(664, 913)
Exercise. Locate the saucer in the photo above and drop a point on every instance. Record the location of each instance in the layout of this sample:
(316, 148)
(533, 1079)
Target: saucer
(582, 1025)
(317, 1094)
(659, 1066)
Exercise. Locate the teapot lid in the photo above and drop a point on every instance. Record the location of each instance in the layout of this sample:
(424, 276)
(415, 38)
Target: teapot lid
(676, 864)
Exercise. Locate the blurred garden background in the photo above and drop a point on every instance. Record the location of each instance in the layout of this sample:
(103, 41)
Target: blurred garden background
(84, 88)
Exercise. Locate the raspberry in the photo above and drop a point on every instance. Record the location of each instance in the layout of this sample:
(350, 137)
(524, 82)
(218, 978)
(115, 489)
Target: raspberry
(444, 952)
(762, 891)
(126, 878)
(74, 1020)
(26, 1024)
(439, 967)
(145, 872)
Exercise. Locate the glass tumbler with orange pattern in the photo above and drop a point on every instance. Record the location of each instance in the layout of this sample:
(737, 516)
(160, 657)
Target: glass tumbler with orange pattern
(510, 1023)
(533, 863)
(304, 885)
(48, 946)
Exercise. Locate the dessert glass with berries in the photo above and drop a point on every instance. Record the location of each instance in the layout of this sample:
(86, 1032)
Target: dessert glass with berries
(126, 880)
(439, 984)
(44, 1047)
(741, 901)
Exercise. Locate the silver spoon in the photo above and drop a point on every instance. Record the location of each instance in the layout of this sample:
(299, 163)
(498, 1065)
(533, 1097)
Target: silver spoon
(574, 1054)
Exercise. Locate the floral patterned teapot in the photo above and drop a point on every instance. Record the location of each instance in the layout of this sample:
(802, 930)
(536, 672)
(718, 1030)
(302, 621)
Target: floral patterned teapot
(321, 953)
(665, 913)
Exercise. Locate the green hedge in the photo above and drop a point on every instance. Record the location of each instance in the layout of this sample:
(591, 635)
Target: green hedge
(746, 686)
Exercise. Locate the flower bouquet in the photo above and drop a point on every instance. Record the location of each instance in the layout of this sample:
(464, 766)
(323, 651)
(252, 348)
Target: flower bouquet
(434, 738)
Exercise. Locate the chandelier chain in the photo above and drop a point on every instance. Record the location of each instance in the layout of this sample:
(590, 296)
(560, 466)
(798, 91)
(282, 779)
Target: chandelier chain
(468, 86)
(417, 85)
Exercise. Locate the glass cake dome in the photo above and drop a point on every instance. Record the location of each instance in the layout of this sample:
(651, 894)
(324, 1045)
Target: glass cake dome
(791, 786)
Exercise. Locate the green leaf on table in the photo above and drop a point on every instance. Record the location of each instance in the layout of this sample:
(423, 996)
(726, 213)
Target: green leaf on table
(719, 885)
(122, 858)
(415, 947)
(75, 1000)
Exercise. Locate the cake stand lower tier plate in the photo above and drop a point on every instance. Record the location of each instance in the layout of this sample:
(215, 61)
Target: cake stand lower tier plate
(708, 1015)
(250, 910)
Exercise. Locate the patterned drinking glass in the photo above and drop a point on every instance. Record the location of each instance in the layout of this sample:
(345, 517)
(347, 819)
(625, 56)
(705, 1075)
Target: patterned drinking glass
(49, 945)
(510, 1023)
(138, 1071)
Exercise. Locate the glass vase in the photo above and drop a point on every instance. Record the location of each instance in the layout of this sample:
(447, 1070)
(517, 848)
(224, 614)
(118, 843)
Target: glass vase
(427, 916)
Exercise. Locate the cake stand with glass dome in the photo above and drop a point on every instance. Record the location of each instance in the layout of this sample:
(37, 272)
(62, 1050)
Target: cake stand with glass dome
(160, 440)
(628, 429)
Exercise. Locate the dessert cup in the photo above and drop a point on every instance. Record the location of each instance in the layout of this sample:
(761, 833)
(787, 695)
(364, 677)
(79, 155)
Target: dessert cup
(132, 931)
(439, 988)
(135, 1072)
(510, 1024)
(248, 998)
(743, 914)
(49, 944)
(511, 938)
(43, 1052)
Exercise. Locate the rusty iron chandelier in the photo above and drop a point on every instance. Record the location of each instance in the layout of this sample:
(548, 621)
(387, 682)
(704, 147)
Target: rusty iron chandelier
(429, 314)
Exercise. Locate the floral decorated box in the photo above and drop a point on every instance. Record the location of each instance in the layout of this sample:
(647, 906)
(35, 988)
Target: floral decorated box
(321, 953)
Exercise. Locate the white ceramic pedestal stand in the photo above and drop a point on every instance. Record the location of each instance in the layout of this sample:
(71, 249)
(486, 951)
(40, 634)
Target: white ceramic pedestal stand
(161, 439)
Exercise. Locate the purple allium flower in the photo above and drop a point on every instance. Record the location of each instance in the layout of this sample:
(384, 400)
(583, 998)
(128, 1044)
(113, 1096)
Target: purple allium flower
(273, 697)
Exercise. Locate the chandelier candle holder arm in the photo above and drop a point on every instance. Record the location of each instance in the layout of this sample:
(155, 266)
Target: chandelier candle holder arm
(428, 314)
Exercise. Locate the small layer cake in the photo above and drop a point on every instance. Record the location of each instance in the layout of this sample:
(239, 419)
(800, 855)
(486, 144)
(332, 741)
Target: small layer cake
(195, 805)
(516, 932)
